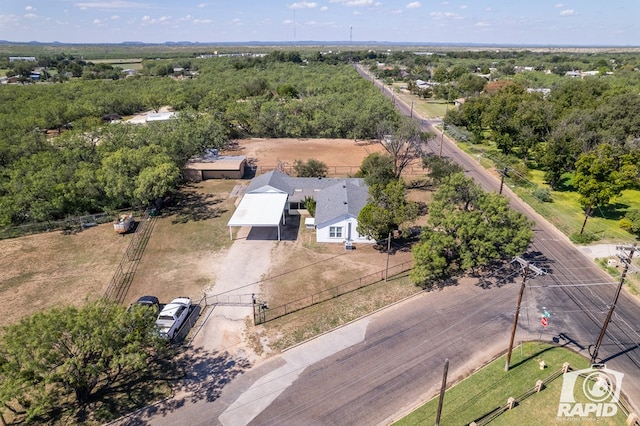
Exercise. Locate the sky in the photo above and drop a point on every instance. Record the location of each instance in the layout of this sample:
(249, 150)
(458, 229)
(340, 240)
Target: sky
(519, 22)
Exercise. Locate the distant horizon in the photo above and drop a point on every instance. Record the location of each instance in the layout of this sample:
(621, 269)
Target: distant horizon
(459, 22)
(341, 43)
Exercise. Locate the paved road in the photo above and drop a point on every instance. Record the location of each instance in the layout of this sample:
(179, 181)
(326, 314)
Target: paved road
(400, 358)
(378, 368)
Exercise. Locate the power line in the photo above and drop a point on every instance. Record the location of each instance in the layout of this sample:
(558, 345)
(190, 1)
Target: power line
(571, 285)
(626, 259)
(526, 269)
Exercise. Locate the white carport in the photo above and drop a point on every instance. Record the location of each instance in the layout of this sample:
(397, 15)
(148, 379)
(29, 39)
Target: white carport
(260, 209)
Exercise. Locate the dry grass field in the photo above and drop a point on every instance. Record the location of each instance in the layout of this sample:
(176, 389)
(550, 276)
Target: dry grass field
(183, 253)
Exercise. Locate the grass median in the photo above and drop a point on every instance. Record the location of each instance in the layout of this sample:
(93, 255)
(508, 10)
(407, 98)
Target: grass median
(490, 388)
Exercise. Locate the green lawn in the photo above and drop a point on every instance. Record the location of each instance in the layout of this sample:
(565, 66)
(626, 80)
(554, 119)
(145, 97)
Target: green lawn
(426, 108)
(567, 215)
(491, 387)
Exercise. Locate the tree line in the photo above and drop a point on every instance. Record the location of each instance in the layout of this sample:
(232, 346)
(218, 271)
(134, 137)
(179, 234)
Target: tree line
(91, 165)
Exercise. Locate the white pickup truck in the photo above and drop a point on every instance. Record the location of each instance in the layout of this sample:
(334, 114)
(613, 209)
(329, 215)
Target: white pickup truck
(173, 316)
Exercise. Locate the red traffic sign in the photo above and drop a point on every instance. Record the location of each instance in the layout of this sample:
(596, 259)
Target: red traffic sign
(544, 321)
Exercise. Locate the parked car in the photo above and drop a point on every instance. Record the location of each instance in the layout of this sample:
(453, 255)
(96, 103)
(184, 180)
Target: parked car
(148, 301)
(173, 316)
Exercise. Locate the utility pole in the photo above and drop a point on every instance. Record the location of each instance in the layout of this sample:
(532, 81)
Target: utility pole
(441, 140)
(411, 113)
(442, 389)
(503, 174)
(386, 274)
(526, 268)
(626, 259)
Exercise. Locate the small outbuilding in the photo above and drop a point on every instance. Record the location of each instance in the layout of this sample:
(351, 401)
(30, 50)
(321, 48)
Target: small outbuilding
(214, 166)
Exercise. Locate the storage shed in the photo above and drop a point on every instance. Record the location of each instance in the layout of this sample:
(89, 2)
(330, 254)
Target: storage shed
(218, 167)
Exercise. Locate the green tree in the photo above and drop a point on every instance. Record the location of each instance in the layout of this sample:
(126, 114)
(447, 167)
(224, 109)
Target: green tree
(467, 229)
(601, 175)
(386, 211)
(377, 169)
(155, 182)
(63, 358)
(312, 168)
(440, 168)
(405, 143)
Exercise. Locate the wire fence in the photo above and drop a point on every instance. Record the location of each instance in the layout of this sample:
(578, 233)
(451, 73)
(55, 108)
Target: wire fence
(264, 313)
(121, 281)
(336, 171)
(70, 225)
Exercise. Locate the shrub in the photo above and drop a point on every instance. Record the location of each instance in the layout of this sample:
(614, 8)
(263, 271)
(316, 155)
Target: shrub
(543, 194)
(583, 239)
(631, 222)
(310, 205)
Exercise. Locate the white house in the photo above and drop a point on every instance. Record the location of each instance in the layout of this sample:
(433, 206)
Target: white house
(271, 196)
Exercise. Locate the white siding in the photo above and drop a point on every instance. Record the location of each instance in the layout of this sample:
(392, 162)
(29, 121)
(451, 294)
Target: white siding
(323, 231)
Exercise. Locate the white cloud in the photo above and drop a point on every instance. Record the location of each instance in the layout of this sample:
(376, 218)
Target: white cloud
(303, 5)
(236, 21)
(353, 3)
(567, 12)
(96, 22)
(482, 24)
(8, 19)
(115, 17)
(115, 4)
(324, 9)
(30, 15)
(464, 6)
(287, 22)
(202, 5)
(414, 5)
(29, 8)
(161, 20)
(396, 12)
(442, 15)
(202, 21)
(559, 5)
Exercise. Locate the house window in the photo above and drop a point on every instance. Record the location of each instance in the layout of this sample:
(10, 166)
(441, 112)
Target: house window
(335, 232)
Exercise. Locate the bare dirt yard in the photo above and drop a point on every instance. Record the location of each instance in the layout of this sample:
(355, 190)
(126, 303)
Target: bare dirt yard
(343, 156)
(182, 256)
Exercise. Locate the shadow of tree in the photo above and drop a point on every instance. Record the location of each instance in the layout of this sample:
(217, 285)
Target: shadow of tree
(612, 211)
(199, 375)
(565, 184)
(496, 274)
(192, 206)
